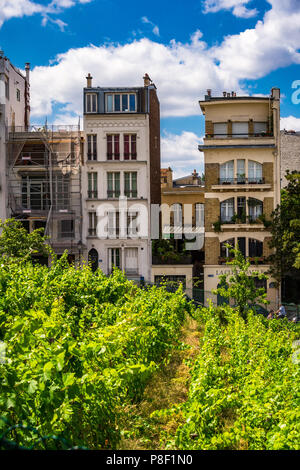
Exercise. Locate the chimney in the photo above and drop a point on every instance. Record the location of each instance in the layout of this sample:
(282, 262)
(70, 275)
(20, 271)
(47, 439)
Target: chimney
(89, 79)
(209, 93)
(232, 93)
(195, 177)
(275, 93)
(147, 80)
(27, 70)
(224, 94)
(228, 95)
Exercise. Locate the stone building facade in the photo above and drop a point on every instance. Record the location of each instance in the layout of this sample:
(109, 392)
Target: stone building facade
(121, 163)
(242, 181)
(290, 153)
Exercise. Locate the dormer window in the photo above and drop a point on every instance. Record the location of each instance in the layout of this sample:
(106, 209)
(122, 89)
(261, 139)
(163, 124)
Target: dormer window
(121, 103)
(91, 102)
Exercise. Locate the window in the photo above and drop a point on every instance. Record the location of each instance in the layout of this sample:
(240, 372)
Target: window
(113, 226)
(92, 146)
(113, 146)
(241, 209)
(18, 94)
(93, 259)
(224, 250)
(92, 185)
(130, 184)
(114, 258)
(132, 229)
(227, 210)
(220, 130)
(177, 215)
(260, 283)
(254, 172)
(67, 228)
(199, 213)
(241, 171)
(7, 88)
(130, 147)
(113, 184)
(120, 102)
(242, 245)
(61, 192)
(260, 128)
(92, 224)
(255, 248)
(35, 192)
(240, 129)
(227, 172)
(91, 102)
(255, 208)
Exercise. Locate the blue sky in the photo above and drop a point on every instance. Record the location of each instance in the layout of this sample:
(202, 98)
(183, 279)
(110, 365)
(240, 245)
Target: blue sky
(185, 46)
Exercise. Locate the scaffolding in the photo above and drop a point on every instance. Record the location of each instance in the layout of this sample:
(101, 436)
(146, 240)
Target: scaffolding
(44, 182)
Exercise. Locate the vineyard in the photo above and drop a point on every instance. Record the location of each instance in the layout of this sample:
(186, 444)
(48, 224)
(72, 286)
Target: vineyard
(82, 351)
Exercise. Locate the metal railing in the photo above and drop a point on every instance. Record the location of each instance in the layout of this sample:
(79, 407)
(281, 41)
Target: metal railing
(241, 180)
(241, 135)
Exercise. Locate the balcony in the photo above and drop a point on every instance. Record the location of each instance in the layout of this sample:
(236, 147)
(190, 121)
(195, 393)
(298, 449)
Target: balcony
(239, 135)
(241, 184)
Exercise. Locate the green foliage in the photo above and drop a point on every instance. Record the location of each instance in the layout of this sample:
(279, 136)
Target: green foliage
(285, 229)
(16, 242)
(244, 390)
(79, 347)
(240, 284)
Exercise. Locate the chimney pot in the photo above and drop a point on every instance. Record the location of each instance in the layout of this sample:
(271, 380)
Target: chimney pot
(224, 94)
(89, 79)
(209, 92)
(147, 80)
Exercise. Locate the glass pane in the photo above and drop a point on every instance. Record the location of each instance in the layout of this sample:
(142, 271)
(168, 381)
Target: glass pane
(109, 181)
(126, 147)
(117, 103)
(88, 103)
(241, 168)
(124, 102)
(220, 130)
(240, 129)
(132, 102)
(117, 183)
(117, 146)
(94, 103)
(109, 103)
(260, 127)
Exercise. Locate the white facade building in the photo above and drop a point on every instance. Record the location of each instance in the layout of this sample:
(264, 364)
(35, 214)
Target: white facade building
(121, 163)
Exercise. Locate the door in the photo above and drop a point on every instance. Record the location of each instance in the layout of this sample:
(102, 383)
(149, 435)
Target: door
(131, 260)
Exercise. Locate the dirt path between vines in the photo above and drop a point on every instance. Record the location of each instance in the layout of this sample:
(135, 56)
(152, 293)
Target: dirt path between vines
(167, 387)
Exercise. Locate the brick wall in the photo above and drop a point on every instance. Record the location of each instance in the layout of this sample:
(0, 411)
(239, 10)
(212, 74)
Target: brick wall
(268, 206)
(212, 213)
(290, 154)
(209, 127)
(211, 175)
(268, 173)
(154, 125)
(212, 250)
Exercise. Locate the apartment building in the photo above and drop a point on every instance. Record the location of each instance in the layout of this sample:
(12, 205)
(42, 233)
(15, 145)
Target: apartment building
(121, 176)
(182, 212)
(242, 181)
(14, 111)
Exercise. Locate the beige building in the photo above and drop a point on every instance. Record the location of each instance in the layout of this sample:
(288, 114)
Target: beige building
(242, 181)
(182, 206)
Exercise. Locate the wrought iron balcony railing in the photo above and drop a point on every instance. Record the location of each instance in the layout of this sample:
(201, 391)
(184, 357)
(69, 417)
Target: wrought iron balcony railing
(241, 180)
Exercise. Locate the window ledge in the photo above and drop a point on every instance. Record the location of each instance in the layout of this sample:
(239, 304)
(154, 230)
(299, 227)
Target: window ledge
(241, 187)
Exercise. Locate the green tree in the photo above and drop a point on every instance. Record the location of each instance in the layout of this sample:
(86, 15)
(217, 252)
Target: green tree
(285, 229)
(239, 285)
(16, 242)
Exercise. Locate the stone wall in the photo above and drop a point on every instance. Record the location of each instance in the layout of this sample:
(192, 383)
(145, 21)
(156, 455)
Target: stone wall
(290, 154)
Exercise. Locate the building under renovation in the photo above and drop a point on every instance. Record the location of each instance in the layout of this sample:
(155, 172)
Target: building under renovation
(44, 183)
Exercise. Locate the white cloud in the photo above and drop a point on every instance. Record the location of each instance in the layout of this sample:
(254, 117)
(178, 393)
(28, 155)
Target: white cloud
(238, 7)
(181, 153)
(290, 123)
(181, 72)
(19, 8)
(155, 29)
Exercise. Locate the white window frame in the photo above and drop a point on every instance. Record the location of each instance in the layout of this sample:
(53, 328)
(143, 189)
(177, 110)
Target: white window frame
(92, 185)
(130, 190)
(92, 230)
(257, 169)
(92, 144)
(91, 106)
(114, 180)
(128, 94)
(227, 171)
